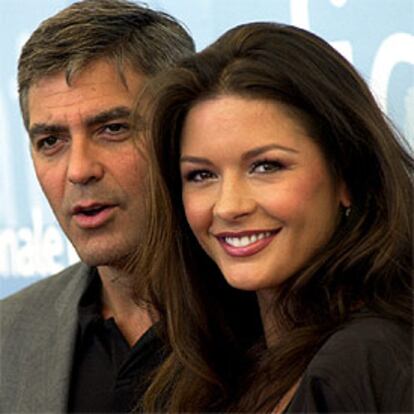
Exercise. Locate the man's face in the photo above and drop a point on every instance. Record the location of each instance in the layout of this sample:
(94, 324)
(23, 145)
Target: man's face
(86, 161)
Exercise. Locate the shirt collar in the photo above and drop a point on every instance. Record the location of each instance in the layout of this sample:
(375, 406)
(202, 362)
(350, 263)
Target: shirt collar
(90, 304)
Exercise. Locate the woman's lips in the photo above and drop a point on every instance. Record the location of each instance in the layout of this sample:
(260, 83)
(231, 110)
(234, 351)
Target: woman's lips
(246, 244)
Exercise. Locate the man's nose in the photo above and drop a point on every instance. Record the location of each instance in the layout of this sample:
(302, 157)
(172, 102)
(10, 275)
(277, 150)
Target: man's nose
(235, 200)
(84, 165)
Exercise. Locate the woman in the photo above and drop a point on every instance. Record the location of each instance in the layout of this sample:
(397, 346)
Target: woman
(274, 167)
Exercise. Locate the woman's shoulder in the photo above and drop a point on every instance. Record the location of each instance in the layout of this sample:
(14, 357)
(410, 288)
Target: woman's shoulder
(365, 366)
(368, 336)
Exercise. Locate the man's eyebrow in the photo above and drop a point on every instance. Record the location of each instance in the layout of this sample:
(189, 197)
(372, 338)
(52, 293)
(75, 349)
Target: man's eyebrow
(45, 129)
(101, 118)
(109, 115)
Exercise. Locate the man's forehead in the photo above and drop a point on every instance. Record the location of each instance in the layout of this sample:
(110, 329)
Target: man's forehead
(97, 88)
(98, 71)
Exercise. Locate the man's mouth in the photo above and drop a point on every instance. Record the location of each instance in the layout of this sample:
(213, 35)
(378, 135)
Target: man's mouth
(92, 211)
(92, 215)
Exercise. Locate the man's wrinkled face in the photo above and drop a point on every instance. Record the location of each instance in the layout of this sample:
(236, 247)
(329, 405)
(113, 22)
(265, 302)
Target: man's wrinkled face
(86, 160)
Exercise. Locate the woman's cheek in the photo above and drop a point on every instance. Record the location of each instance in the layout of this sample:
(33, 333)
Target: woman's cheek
(196, 212)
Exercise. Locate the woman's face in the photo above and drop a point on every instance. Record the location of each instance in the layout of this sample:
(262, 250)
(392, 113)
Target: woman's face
(257, 191)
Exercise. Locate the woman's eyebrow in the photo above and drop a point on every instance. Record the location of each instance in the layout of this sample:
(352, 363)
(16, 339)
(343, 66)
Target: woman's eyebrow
(247, 155)
(260, 150)
(195, 160)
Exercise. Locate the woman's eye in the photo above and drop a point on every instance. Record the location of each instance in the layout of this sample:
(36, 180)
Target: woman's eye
(199, 176)
(266, 166)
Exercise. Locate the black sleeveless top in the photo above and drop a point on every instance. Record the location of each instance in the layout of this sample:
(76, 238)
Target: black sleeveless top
(366, 367)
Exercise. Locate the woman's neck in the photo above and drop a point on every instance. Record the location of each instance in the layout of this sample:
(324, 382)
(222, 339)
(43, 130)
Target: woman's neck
(271, 329)
(265, 299)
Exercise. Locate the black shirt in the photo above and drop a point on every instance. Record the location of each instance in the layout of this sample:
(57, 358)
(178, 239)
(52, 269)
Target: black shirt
(366, 367)
(108, 375)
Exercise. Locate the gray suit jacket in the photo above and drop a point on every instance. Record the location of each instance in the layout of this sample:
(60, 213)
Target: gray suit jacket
(38, 329)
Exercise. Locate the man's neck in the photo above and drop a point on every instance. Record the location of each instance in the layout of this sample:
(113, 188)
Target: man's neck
(118, 302)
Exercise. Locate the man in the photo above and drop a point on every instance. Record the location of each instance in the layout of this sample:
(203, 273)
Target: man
(78, 342)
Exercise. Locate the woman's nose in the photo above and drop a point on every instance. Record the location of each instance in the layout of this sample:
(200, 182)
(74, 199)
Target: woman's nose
(235, 200)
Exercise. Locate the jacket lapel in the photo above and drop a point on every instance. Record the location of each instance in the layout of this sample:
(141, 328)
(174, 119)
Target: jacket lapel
(50, 359)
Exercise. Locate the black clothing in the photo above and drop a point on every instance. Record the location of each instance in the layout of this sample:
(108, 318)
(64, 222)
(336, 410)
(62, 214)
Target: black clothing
(366, 367)
(108, 375)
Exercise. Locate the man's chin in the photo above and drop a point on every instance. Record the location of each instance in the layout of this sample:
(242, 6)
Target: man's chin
(104, 258)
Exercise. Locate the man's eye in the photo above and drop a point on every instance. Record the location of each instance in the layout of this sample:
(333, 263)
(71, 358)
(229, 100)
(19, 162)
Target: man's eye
(199, 176)
(266, 166)
(46, 143)
(116, 128)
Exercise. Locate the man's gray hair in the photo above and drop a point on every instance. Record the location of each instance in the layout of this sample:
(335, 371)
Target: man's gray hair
(120, 30)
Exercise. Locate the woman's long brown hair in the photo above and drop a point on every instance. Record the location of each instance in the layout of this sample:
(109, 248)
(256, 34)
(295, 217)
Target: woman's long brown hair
(217, 357)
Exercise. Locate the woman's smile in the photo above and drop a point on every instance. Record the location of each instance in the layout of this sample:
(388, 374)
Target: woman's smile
(258, 193)
(246, 243)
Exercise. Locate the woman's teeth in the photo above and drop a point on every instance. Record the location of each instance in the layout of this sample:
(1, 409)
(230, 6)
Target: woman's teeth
(246, 240)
